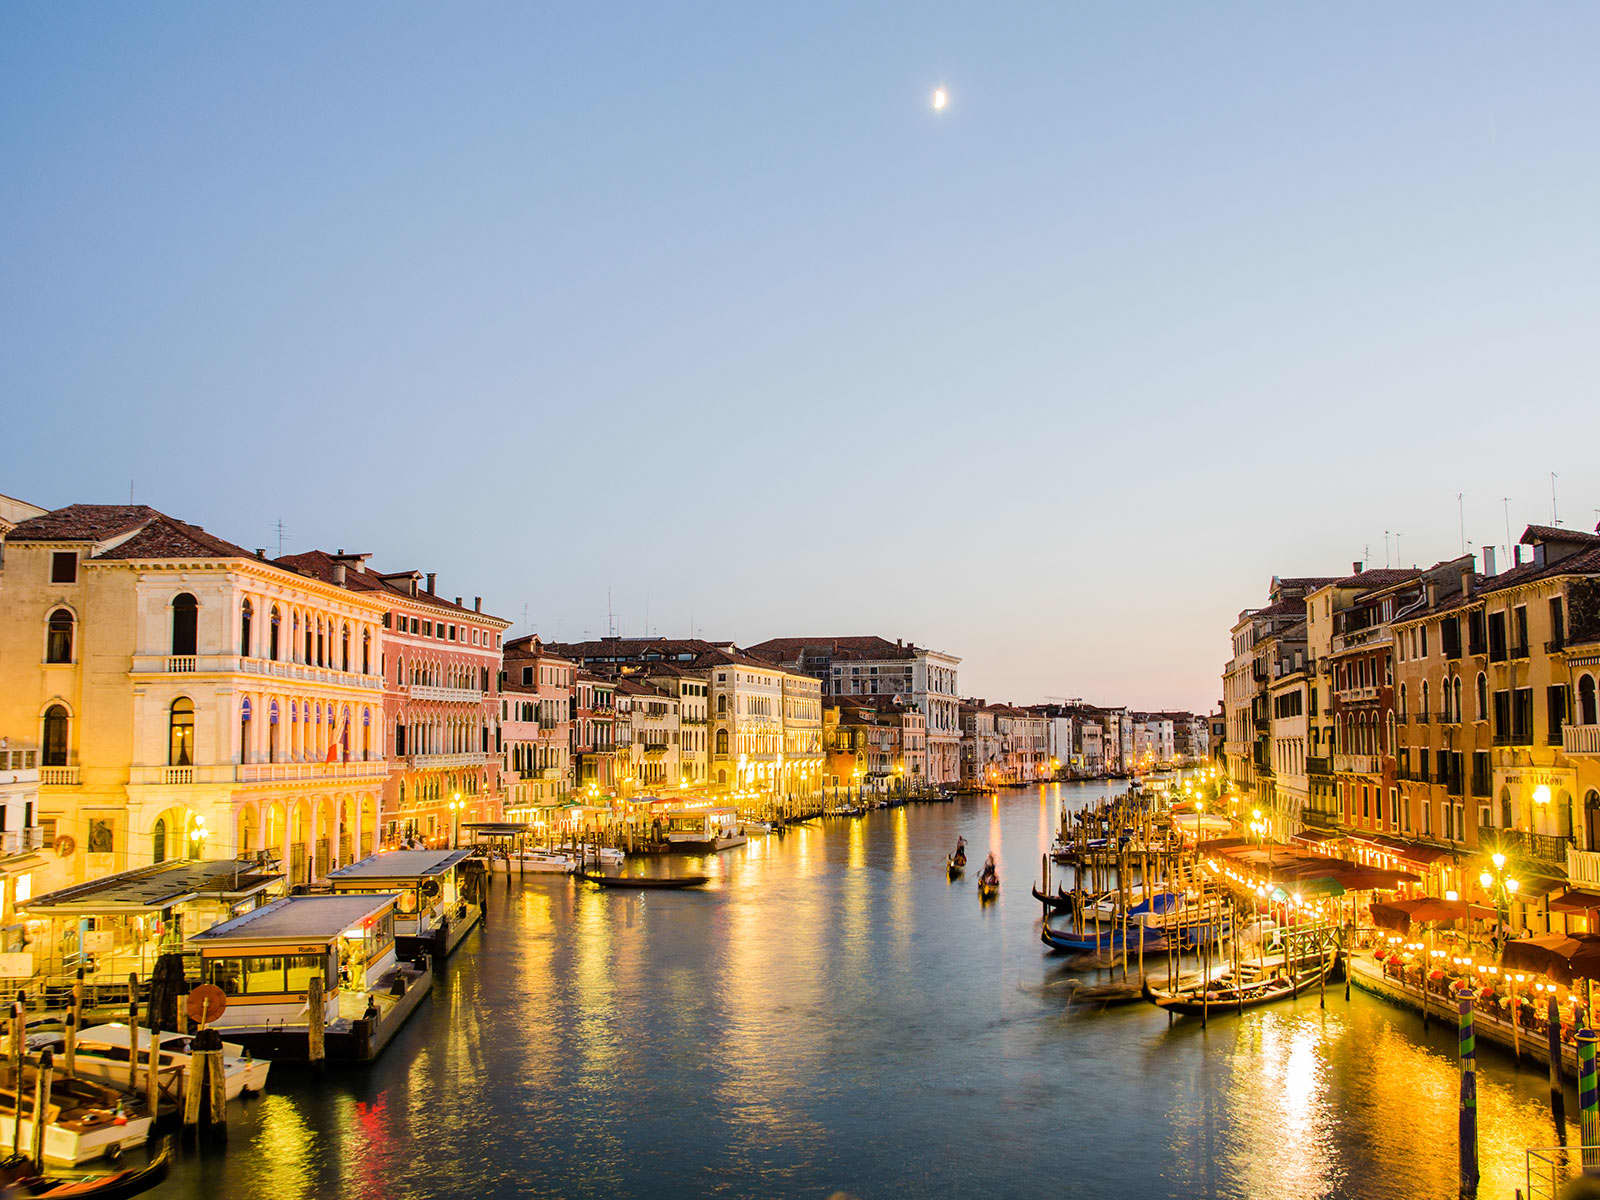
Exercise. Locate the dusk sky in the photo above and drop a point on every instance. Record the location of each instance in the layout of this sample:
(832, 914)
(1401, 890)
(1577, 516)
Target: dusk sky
(708, 307)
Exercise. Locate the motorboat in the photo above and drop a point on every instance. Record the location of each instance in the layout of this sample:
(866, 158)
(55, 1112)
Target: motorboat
(85, 1120)
(102, 1055)
(544, 862)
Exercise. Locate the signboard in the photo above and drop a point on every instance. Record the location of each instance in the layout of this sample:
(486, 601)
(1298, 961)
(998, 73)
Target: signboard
(99, 941)
(1549, 777)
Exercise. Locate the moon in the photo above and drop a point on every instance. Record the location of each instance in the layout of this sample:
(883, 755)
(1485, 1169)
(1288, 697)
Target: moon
(940, 99)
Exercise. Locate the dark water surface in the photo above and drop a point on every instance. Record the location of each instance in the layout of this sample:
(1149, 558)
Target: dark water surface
(833, 1014)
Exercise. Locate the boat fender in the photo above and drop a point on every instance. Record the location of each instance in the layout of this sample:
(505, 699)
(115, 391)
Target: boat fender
(114, 1151)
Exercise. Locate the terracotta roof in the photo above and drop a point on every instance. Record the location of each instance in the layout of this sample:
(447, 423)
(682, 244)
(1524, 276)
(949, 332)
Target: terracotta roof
(165, 537)
(1556, 533)
(319, 564)
(630, 649)
(83, 523)
(871, 647)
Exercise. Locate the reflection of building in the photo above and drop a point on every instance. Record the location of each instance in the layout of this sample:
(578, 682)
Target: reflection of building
(188, 697)
(441, 665)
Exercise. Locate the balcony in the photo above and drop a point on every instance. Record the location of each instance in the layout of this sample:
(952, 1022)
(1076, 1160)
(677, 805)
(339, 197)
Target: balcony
(20, 760)
(1355, 695)
(433, 762)
(230, 664)
(1355, 764)
(1520, 651)
(1420, 718)
(1580, 739)
(1372, 635)
(1583, 867)
(444, 695)
(21, 841)
(1555, 645)
(310, 772)
(58, 776)
(1519, 843)
(1322, 767)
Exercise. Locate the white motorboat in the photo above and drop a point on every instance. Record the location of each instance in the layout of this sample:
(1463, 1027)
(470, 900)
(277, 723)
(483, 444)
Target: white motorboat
(102, 1055)
(84, 1120)
(544, 862)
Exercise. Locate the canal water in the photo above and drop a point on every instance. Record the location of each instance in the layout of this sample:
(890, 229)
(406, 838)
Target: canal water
(833, 1015)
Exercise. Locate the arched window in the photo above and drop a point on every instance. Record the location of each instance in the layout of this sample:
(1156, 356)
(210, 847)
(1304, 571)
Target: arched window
(1483, 697)
(722, 705)
(272, 634)
(245, 711)
(58, 637)
(722, 741)
(1591, 820)
(366, 652)
(1455, 698)
(1586, 701)
(55, 736)
(321, 661)
(180, 733)
(185, 623)
(246, 611)
(1505, 809)
(158, 841)
(1402, 702)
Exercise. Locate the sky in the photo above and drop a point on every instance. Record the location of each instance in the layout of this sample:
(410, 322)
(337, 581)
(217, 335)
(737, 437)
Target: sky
(700, 316)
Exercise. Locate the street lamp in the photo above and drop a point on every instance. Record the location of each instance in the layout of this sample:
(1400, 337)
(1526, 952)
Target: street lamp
(455, 818)
(1501, 887)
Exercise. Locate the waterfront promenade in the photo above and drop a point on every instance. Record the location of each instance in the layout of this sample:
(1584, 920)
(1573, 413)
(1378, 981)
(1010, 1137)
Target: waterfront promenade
(832, 1013)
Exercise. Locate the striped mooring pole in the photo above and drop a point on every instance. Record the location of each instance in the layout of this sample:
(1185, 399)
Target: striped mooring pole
(1467, 1127)
(1588, 1104)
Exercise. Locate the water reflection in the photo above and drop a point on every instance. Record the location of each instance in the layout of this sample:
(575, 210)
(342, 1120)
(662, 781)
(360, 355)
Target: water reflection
(834, 1013)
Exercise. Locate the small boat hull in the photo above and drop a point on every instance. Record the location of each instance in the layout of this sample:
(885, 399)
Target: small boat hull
(642, 882)
(988, 890)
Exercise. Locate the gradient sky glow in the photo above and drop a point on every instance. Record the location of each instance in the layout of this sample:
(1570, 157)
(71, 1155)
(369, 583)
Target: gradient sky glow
(705, 305)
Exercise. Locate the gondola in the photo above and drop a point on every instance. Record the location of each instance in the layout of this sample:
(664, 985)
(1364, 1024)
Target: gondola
(1253, 987)
(988, 889)
(1059, 900)
(1154, 938)
(16, 1174)
(955, 864)
(647, 881)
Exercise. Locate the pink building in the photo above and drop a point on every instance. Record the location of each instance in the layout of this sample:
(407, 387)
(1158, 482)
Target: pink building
(441, 669)
(536, 726)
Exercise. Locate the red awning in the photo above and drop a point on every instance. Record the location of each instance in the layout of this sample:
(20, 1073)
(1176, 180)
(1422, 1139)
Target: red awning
(1575, 900)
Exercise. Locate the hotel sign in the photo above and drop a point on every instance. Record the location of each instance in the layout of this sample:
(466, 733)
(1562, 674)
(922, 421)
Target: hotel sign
(1549, 777)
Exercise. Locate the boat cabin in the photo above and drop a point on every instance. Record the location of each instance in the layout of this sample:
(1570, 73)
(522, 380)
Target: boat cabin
(119, 925)
(703, 828)
(264, 960)
(427, 882)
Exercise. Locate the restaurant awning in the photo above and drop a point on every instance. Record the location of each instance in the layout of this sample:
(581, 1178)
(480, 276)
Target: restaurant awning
(1563, 957)
(1400, 915)
(1575, 900)
(1412, 852)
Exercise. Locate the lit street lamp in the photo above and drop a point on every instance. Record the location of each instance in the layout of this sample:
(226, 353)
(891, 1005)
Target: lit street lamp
(455, 819)
(1501, 887)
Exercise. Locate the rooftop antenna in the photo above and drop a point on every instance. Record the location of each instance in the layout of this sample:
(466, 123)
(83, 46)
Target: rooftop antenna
(1461, 519)
(1506, 500)
(130, 491)
(611, 620)
(278, 526)
(1554, 519)
(524, 614)
(1386, 548)
(1398, 561)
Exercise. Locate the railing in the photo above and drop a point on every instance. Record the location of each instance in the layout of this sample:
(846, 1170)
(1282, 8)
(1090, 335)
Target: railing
(1520, 651)
(20, 841)
(445, 695)
(1319, 766)
(58, 776)
(1547, 1171)
(291, 771)
(429, 761)
(177, 774)
(1356, 764)
(1351, 695)
(20, 760)
(1555, 645)
(1371, 635)
(184, 664)
(1419, 718)
(1580, 739)
(1542, 846)
(1583, 867)
(552, 773)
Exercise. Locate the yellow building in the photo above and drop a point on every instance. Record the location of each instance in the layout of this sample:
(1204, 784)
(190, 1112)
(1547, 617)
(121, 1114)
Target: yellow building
(188, 697)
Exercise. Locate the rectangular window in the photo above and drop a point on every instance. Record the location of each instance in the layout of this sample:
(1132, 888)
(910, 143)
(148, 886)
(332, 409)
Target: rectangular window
(1522, 716)
(1480, 772)
(64, 567)
(1450, 636)
(1557, 713)
(1475, 632)
(1558, 624)
(1497, 637)
(1502, 717)
(1520, 623)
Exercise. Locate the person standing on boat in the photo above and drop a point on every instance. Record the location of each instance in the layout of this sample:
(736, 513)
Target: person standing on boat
(960, 855)
(990, 871)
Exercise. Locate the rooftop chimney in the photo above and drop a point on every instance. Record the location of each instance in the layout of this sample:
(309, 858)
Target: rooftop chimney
(458, 601)
(477, 604)
(341, 551)
(1355, 568)
(1433, 593)
(1516, 555)
(1466, 580)
(433, 578)
(261, 551)
(338, 571)
(1488, 561)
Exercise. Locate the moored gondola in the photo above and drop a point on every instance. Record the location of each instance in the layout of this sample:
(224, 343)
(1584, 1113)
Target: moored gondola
(17, 1176)
(1252, 987)
(647, 881)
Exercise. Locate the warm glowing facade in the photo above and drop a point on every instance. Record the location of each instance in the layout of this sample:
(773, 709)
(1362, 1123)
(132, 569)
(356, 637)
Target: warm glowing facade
(188, 698)
(537, 732)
